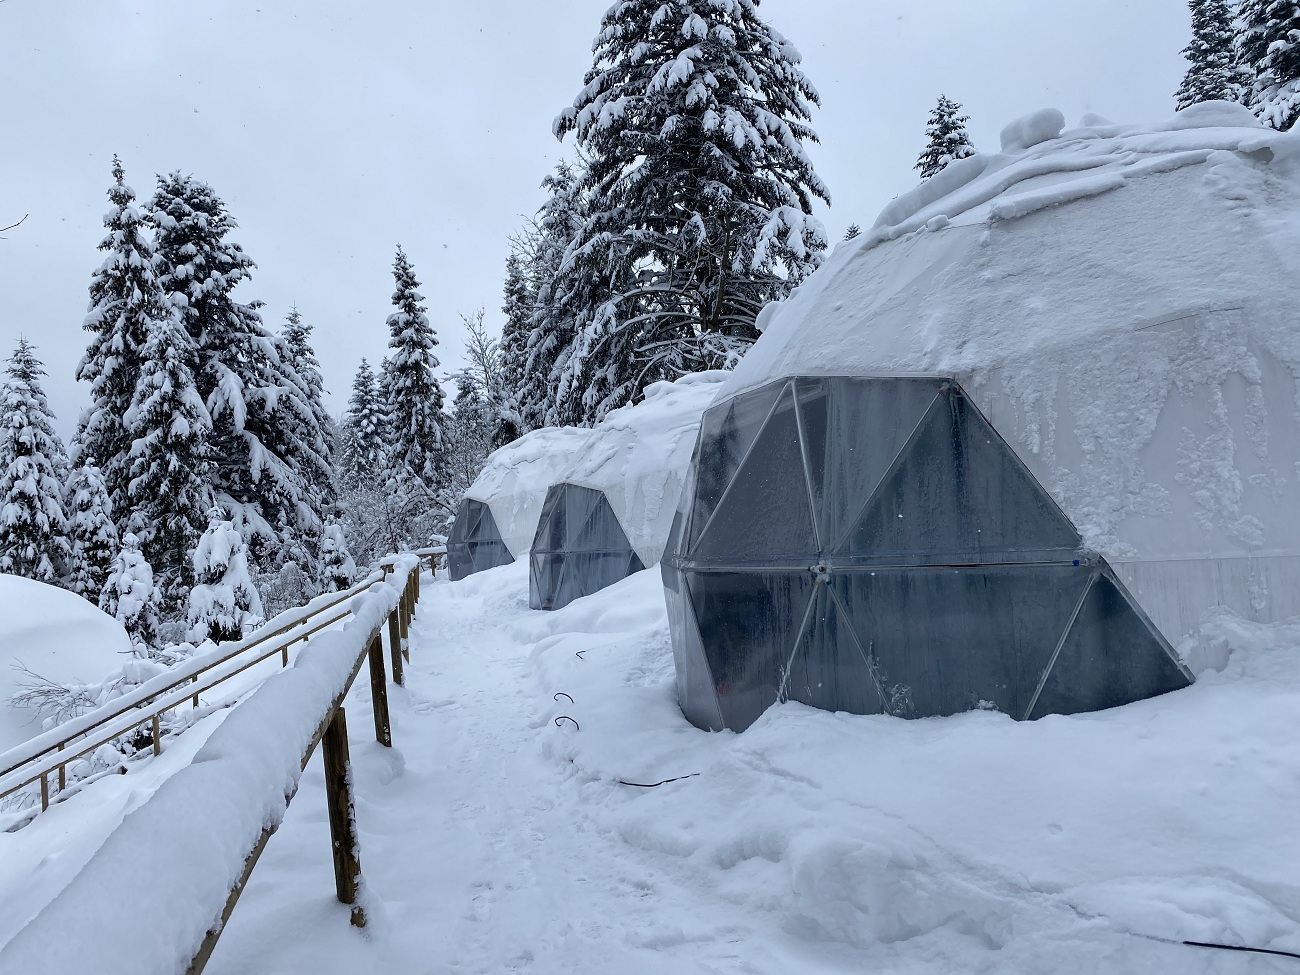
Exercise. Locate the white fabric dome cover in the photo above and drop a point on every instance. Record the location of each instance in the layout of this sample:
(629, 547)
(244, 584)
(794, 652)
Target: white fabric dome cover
(1123, 304)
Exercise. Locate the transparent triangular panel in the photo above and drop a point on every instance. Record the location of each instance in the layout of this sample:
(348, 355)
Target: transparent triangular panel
(747, 623)
(549, 536)
(948, 640)
(602, 531)
(960, 495)
(865, 425)
(695, 687)
(727, 431)
(1111, 656)
(829, 670)
(766, 512)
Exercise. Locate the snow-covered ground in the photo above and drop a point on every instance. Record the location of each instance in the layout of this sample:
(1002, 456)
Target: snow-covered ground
(495, 839)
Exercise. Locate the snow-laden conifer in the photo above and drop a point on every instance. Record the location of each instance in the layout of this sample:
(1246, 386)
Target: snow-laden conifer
(130, 597)
(694, 117)
(1268, 46)
(92, 537)
(520, 301)
(338, 570)
(252, 397)
(308, 424)
(224, 601)
(1212, 69)
(33, 467)
(853, 231)
(946, 139)
(364, 447)
(124, 301)
(412, 391)
(170, 489)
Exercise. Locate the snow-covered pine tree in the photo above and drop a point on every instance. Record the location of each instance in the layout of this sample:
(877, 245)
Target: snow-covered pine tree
(170, 489)
(124, 300)
(338, 570)
(364, 451)
(130, 597)
(412, 391)
(566, 294)
(518, 307)
(853, 231)
(946, 138)
(224, 600)
(1212, 69)
(33, 467)
(693, 117)
(309, 423)
(249, 391)
(92, 536)
(1268, 46)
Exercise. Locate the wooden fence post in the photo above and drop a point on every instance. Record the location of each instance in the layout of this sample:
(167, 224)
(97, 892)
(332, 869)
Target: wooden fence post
(395, 648)
(379, 691)
(343, 825)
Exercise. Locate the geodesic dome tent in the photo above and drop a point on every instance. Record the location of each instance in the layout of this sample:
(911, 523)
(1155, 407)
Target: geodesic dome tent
(498, 515)
(610, 511)
(1083, 349)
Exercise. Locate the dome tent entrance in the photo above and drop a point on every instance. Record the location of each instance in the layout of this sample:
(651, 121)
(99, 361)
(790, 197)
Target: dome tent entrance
(580, 548)
(872, 545)
(475, 543)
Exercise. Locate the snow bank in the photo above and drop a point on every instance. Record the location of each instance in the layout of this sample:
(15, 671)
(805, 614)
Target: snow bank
(175, 859)
(516, 477)
(639, 455)
(57, 635)
(1120, 302)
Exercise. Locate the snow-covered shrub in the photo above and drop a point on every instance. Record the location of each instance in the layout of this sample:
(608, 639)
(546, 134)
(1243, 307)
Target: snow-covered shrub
(225, 600)
(283, 590)
(131, 597)
(338, 570)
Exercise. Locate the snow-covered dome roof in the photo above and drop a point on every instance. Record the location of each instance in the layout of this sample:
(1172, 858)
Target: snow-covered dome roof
(57, 635)
(1123, 303)
(514, 481)
(639, 456)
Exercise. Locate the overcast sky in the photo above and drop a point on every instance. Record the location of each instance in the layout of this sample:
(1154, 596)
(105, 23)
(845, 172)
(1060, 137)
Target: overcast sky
(334, 131)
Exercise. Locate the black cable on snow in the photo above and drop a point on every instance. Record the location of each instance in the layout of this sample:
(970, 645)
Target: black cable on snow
(559, 694)
(655, 785)
(1258, 951)
(565, 717)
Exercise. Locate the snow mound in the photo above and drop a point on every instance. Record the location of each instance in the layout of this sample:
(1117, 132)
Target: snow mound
(516, 477)
(639, 455)
(55, 634)
(1030, 130)
(1120, 302)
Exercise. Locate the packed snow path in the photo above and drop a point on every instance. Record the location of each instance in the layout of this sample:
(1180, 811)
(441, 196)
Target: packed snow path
(495, 840)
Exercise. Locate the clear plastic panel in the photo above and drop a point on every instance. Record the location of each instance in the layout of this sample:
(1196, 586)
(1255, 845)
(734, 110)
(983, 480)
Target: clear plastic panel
(949, 640)
(1111, 656)
(960, 495)
(766, 512)
(829, 670)
(868, 422)
(726, 433)
(695, 692)
(580, 503)
(549, 536)
(588, 572)
(748, 622)
(602, 531)
(543, 579)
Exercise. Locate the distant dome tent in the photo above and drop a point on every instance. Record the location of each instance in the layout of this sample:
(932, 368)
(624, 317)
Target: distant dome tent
(609, 513)
(498, 516)
(1010, 447)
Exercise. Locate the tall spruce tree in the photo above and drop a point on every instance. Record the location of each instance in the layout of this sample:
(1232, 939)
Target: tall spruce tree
(251, 395)
(364, 435)
(520, 302)
(1268, 46)
(310, 425)
(412, 391)
(170, 489)
(1212, 69)
(693, 118)
(92, 536)
(946, 138)
(33, 466)
(124, 301)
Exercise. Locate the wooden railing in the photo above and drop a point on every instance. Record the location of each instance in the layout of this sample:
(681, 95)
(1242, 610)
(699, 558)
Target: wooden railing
(313, 689)
(46, 757)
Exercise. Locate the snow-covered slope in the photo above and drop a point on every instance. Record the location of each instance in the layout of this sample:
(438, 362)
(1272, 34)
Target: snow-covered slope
(55, 634)
(638, 456)
(1121, 302)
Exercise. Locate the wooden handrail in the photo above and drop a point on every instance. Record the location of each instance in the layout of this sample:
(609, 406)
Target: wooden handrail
(49, 752)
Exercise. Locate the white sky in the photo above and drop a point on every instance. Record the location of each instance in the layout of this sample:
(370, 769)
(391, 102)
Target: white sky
(335, 130)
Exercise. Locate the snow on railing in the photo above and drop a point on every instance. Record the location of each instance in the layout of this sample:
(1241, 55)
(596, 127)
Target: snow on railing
(51, 752)
(182, 859)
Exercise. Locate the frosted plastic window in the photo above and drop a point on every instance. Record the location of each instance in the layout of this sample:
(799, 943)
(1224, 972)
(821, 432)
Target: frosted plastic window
(579, 548)
(474, 543)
